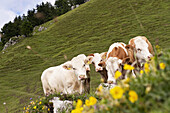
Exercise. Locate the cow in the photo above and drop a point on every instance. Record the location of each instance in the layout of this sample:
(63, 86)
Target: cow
(118, 54)
(142, 48)
(67, 78)
(97, 59)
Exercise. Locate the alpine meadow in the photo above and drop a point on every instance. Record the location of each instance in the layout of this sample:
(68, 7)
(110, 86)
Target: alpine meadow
(90, 28)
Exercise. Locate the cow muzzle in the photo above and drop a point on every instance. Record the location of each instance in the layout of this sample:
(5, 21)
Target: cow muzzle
(110, 82)
(82, 77)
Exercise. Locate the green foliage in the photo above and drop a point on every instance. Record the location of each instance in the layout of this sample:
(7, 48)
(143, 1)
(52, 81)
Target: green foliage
(26, 28)
(150, 91)
(62, 6)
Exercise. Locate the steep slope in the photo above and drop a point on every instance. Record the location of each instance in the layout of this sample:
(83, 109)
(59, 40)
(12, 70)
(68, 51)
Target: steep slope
(90, 28)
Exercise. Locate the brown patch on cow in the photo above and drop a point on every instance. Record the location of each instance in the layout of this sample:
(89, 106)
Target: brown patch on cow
(118, 52)
(122, 44)
(91, 55)
(149, 45)
(131, 42)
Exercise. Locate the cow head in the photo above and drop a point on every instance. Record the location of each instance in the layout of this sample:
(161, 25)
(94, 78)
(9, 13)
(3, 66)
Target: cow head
(97, 59)
(141, 50)
(79, 66)
(114, 64)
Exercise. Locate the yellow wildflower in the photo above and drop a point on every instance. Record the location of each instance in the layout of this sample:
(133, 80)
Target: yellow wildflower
(100, 88)
(24, 108)
(157, 47)
(32, 103)
(128, 67)
(43, 107)
(77, 110)
(126, 87)
(117, 74)
(27, 111)
(48, 109)
(133, 96)
(146, 67)
(87, 102)
(141, 72)
(40, 102)
(116, 92)
(148, 89)
(93, 100)
(162, 65)
(126, 81)
(102, 80)
(35, 107)
(79, 103)
(27, 108)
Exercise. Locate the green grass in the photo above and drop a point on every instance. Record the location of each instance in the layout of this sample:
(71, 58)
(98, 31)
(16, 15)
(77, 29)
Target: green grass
(90, 28)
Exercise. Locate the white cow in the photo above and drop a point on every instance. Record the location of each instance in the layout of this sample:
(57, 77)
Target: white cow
(97, 59)
(143, 48)
(117, 55)
(67, 77)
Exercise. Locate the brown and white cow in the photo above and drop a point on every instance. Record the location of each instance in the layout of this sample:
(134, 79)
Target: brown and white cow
(97, 59)
(67, 78)
(117, 55)
(142, 48)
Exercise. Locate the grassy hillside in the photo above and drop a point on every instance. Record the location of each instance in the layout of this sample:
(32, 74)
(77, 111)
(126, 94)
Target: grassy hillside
(90, 28)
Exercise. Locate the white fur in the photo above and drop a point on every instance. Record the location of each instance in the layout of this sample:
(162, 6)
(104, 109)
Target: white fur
(60, 79)
(112, 64)
(141, 44)
(97, 59)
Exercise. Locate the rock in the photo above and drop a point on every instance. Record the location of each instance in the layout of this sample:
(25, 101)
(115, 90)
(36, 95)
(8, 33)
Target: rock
(12, 41)
(60, 105)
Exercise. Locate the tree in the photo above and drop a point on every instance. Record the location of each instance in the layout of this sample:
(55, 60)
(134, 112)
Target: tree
(26, 28)
(62, 6)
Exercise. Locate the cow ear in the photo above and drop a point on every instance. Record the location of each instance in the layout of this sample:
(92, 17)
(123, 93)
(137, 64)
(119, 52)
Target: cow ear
(129, 47)
(67, 66)
(103, 55)
(126, 60)
(88, 60)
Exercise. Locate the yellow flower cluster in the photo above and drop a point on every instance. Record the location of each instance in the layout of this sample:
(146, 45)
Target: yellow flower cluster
(117, 74)
(162, 65)
(128, 67)
(133, 96)
(91, 101)
(116, 92)
(146, 67)
(79, 107)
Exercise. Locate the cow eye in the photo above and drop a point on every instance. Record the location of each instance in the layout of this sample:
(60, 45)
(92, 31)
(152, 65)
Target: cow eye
(74, 68)
(84, 65)
(139, 49)
(92, 62)
(101, 60)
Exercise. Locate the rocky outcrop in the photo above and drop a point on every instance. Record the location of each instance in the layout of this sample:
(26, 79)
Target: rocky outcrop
(12, 41)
